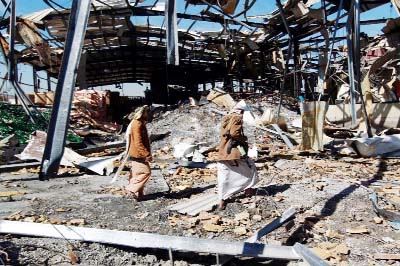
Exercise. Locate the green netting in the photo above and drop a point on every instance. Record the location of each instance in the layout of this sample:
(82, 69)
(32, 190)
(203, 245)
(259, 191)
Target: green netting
(14, 120)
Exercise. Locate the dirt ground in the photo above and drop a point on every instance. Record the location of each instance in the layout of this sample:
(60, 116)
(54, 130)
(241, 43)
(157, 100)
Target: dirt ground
(330, 199)
(330, 192)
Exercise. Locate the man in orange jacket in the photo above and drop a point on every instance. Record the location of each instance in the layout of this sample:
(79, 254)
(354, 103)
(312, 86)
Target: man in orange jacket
(139, 153)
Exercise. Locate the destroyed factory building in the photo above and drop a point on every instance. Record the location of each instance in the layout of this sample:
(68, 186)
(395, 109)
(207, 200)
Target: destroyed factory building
(200, 132)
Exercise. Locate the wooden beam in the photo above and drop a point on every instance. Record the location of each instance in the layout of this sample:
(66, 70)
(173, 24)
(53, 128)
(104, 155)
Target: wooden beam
(147, 240)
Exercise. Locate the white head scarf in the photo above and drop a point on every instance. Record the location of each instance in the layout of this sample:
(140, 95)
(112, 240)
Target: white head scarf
(140, 111)
(238, 109)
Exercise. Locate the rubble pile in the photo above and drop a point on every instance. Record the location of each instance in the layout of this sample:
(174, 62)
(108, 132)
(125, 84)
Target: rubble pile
(320, 119)
(321, 186)
(90, 111)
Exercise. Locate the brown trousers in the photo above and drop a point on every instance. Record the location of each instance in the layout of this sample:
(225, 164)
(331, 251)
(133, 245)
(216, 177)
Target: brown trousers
(140, 174)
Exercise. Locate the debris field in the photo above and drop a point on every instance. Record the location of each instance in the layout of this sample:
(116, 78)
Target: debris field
(298, 98)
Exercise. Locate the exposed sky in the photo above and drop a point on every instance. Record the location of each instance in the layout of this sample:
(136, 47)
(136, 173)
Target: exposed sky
(262, 7)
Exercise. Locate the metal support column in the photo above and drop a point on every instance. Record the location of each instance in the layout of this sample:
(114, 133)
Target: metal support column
(333, 40)
(48, 82)
(289, 55)
(11, 68)
(297, 68)
(357, 63)
(172, 33)
(11, 50)
(35, 80)
(351, 71)
(59, 120)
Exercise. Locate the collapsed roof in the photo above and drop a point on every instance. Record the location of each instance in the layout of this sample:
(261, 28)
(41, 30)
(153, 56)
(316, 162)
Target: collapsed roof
(117, 50)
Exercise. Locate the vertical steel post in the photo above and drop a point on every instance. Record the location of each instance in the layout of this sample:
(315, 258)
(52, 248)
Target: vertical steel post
(351, 71)
(289, 55)
(297, 69)
(172, 33)
(357, 63)
(48, 82)
(35, 80)
(57, 131)
(11, 82)
(283, 79)
(333, 38)
(10, 63)
(11, 50)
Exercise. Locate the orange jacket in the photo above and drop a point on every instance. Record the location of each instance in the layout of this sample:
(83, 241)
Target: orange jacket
(139, 144)
(232, 124)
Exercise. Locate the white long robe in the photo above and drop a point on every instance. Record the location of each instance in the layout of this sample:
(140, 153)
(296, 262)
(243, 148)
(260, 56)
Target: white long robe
(235, 176)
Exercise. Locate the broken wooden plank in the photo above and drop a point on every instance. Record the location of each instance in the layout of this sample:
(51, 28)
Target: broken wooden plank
(386, 256)
(11, 193)
(147, 240)
(121, 167)
(17, 166)
(278, 222)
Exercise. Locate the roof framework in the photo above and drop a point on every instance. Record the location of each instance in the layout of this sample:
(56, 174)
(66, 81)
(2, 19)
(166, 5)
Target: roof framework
(119, 49)
(113, 48)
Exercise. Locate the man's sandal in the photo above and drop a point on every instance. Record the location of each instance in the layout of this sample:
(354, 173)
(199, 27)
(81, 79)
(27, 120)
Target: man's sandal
(130, 195)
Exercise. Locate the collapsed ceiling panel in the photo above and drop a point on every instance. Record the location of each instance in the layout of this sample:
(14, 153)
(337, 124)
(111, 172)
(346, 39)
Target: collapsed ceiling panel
(119, 49)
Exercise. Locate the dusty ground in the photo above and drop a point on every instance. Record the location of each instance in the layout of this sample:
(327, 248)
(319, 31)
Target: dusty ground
(341, 204)
(330, 193)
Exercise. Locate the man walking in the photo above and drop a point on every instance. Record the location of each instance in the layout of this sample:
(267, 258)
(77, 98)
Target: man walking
(139, 153)
(236, 172)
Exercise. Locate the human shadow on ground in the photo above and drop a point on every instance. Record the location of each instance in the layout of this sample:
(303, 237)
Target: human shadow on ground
(35, 177)
(8, 250)
(272, 190)
(180, 194)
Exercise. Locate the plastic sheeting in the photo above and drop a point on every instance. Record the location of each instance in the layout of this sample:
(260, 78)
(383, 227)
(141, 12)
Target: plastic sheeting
(35, 148)
(378, 145)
